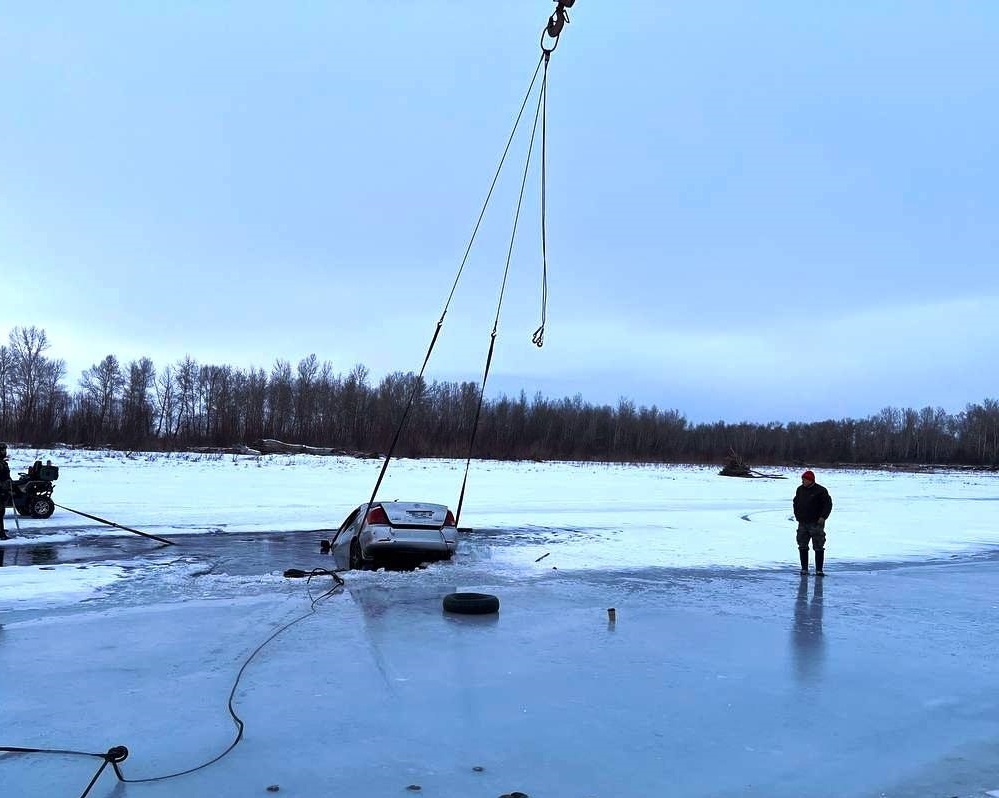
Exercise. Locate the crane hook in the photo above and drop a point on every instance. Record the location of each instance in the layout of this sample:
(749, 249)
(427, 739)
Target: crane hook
(556, 22)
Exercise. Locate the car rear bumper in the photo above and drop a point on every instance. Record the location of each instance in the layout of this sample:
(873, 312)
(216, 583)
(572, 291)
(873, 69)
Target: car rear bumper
(422, 547)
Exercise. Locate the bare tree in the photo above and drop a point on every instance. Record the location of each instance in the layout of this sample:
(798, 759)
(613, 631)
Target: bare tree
(27, 371)
(305, 399)
(256, 404)
(186, 376)
(280, 400)
(6, 391)
(356, 401)
(137, 404)
(54, 402)
(165, 389)
(103, 383)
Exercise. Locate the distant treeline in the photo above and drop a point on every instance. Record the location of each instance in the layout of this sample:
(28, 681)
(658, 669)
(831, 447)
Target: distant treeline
(187, 404)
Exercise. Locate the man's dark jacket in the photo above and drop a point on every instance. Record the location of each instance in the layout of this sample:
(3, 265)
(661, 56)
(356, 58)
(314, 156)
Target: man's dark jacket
(811, 502)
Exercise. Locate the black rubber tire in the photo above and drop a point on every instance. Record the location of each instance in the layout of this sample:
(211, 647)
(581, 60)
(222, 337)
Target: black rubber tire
(471, 603)
(41, 507)
(356, 560)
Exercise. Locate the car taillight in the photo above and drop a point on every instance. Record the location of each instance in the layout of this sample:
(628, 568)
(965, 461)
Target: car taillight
(449, 520)
(377, 516)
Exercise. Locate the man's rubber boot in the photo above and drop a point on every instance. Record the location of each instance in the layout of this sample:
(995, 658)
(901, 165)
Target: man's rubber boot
(803, 556)
(820, 558)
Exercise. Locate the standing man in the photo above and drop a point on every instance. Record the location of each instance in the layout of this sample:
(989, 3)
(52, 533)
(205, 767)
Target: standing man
(5, 487)
(812, 505)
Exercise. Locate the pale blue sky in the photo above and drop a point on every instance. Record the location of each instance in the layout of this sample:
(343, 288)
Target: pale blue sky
(766, 211)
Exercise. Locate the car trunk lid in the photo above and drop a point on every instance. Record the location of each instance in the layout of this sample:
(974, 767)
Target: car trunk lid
(415, 514)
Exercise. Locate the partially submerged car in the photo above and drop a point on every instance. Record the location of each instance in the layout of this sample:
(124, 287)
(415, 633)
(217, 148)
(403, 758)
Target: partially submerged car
(394, 533)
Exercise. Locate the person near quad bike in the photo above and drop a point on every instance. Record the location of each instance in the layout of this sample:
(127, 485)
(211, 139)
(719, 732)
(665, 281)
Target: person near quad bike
(6, 488)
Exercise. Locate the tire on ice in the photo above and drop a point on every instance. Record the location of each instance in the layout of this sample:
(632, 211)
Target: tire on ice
(471, 603)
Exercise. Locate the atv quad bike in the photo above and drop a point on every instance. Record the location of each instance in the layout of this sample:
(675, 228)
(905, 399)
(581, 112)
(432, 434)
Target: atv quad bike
(32, 491)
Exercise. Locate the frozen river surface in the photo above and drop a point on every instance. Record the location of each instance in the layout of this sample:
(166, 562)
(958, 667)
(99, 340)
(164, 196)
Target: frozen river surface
(712, 680)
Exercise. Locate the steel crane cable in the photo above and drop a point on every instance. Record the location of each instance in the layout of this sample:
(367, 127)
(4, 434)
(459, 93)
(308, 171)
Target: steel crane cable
(549, 41)
(418, 383)
(538, 335)
(538, 338)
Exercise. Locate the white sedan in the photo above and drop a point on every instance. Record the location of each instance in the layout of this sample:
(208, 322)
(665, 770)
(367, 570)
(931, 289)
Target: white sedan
(394, 533)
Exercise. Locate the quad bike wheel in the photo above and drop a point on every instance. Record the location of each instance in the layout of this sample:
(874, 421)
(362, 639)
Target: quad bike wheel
(40, 507)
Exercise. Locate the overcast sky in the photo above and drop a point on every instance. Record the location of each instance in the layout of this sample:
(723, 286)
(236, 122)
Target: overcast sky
(763, 211)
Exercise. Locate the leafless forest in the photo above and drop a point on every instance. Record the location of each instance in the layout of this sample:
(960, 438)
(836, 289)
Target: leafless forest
(187, 404)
